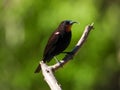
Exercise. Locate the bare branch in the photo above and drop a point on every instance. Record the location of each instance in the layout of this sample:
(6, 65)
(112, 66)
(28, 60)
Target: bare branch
(47, 71)
(49, 77)
(75, 49)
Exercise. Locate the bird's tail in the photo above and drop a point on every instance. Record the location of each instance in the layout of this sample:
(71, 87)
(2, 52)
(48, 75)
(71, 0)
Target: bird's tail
(38, 69)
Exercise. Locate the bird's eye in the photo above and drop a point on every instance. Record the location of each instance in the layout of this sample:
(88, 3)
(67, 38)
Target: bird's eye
(67, 22)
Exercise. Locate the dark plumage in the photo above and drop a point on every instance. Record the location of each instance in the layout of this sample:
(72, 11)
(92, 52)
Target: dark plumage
(58, 41)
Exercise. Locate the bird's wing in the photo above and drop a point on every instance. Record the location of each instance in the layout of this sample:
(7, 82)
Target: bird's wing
(51, 45)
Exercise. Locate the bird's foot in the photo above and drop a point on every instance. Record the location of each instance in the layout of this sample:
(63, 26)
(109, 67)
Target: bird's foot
(58, 61)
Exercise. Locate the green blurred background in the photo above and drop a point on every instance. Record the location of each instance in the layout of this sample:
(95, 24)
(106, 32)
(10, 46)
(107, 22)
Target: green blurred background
(25, 26)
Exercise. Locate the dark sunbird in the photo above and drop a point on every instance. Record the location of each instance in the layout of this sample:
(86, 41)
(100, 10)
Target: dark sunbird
(58, 41)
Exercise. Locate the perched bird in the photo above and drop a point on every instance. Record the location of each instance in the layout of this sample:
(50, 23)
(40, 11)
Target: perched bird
(58, 41)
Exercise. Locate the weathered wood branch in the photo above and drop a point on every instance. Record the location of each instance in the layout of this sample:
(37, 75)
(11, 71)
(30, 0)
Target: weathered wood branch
(47, 71)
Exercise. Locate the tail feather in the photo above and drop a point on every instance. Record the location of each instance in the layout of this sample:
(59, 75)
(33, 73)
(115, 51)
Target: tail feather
(38, 69)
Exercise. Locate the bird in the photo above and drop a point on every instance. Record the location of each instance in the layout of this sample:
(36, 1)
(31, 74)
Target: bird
(58, 42)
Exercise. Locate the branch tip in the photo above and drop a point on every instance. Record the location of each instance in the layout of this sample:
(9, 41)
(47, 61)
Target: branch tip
(92, 24)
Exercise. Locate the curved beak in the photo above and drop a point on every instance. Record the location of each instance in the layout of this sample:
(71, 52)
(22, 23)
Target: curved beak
(72, 22)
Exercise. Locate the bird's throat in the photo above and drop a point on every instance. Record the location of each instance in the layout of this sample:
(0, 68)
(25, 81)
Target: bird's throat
(68, 28)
